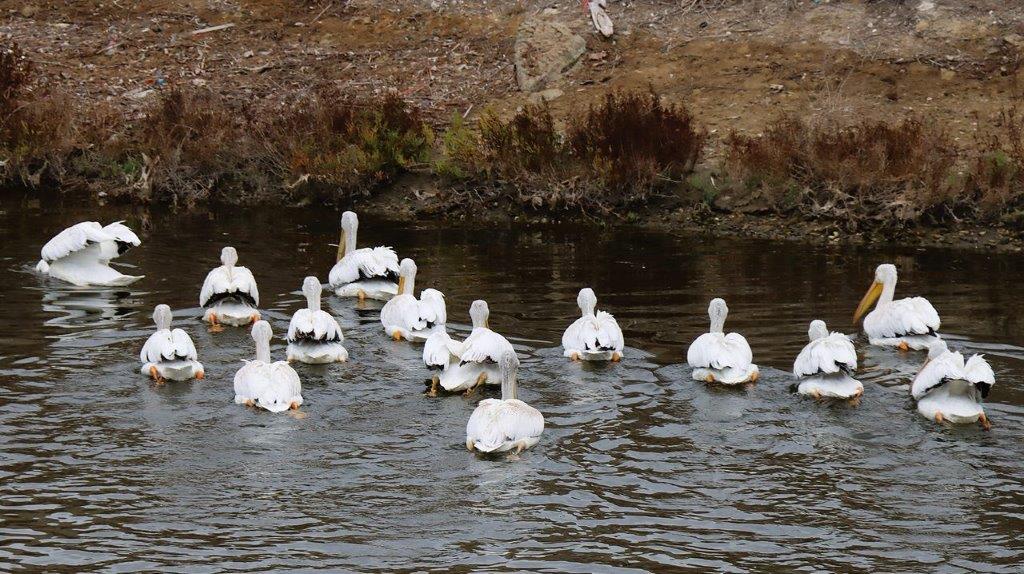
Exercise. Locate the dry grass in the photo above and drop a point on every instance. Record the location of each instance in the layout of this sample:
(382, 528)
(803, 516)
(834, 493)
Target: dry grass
(619, 152)
(36, 130)
(889, 173)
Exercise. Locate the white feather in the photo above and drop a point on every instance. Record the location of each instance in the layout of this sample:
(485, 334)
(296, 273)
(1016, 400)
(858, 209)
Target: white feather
(81, 254)
(500, 425)
(827, 355)
(364, 264)
(224, 279)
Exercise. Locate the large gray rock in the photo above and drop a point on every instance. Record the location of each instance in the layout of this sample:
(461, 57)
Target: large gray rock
(544, 51)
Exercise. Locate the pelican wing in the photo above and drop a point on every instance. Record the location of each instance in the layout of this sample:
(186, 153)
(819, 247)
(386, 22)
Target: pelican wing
(282, 387)
(978, 372)
(496, 423)
(911, 316)
(219, 283)
(432, 309)
(827, 355)
(320, 326)
(249, 381)
(403, 312)
(484, 346)
(440, 350)
(598, 333)
(74, 238)
(125, 237)
(363, 264)
(948, 366)
(167, 345)
(718, 351)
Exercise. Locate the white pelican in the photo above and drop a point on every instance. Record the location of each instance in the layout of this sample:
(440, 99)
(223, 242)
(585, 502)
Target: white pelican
(717, 357)
(81, 254)
(473, 362)
(404, 316)
(909, 323)
(229, 293)
(274, 386)
(592, 337)
(314, 336)
(948, 389)
(364, 273)
(602, 22)
(169, 354)
(505, 424)
(824, 366)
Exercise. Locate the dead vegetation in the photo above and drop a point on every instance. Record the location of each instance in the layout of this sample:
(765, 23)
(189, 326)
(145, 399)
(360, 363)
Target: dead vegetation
(610, 156)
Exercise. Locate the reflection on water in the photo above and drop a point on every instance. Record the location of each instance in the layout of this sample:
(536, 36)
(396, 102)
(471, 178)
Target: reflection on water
(640, 468)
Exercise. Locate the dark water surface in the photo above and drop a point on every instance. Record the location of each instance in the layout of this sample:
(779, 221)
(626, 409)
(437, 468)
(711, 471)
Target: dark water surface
(640, 469)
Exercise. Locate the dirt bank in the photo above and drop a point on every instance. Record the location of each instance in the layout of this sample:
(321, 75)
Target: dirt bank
(736, 65)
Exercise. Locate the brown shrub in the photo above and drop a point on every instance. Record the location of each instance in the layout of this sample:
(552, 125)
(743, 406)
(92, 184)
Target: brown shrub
(995, 174)
(630, 140)
(526, 144)
(889, 172)
(334, 143)
(36, 129)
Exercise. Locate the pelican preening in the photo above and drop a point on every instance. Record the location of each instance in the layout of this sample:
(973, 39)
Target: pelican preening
(273, 386)
(721, 358)
(949, 389)
(592, 337)
(910, 323)
(364, 273)
(409, 318)
(507, 424)
(229, 293)
(81, 254)
(169, 354)
(824, 367)
(314, 336)
(468, 364)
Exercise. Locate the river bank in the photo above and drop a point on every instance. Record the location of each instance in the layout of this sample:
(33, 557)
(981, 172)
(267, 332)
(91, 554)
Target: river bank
(828, 122)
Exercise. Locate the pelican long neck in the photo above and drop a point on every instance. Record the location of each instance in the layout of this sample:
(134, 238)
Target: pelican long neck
(587, 307)
(263, 349)
(410, 283)
(347, 243)
(508, 386)
(313, 300)
(888, 292)
(718, 320)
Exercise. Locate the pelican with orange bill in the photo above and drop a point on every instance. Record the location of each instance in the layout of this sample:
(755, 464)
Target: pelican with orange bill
(910, 323)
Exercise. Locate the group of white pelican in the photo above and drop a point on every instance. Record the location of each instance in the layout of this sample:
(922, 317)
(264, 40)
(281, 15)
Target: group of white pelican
(947, 388)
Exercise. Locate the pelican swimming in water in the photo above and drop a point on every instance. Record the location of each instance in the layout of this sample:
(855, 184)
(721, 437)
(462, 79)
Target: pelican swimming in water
(81, 254)
(467, 364)
(717, 357)
(314, 336)
(592, 337)
(824, 367)
(169, 354)
(364, 273)
(949, 389)
(273, 386)
(506, 424)
(229, 293)
(910, 323)
(409, 318)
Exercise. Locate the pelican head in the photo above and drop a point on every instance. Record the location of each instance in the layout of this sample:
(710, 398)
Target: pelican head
(479, 313)
(587, 301)
(312, 289)
(349, 227)
(818, 330)
(508, 364)
(228, 256)
(162, 317)
(885, 282)
(261, 334)
(718, 311)
(406, 277)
